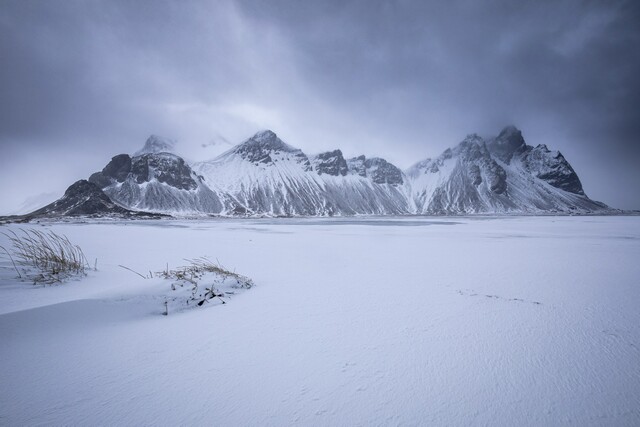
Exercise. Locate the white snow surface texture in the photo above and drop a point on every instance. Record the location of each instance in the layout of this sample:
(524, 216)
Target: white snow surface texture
(523, 321)
(266, 176)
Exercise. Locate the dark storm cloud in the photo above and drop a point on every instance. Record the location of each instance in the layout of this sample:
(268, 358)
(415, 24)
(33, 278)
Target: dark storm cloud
(400, 79)
(475, 61)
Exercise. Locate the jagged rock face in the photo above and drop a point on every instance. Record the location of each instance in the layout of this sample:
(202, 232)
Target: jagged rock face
(383, 172)
(116, 170)
(82, 198)
(507, 144)
(465, 179)
(552, 167)
(378, 170)
(266, 148)
(280, 182)
(480, 166)
(330, 163)
(264, 175)
(156, 144)
(501, 175)
(357, 166)
(157, 182)
(164, 167)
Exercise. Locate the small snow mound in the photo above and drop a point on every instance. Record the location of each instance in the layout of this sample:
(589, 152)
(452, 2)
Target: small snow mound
(201, 283)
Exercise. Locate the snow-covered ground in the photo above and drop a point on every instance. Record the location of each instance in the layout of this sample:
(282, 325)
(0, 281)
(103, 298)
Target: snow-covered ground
(435, 321)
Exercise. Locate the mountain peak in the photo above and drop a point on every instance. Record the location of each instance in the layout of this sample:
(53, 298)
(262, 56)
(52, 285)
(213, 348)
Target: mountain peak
(472, 147)
(512, 136)
(509, 131)
(473, 138)
(265, 147)
(157, 144)
(507, 144)
(265, 140)
(265, 135)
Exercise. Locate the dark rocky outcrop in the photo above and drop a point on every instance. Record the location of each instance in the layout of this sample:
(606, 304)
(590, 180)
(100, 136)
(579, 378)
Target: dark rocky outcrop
(166, 168)
(507, 144)
(330, 163)
(357, 166)
(83, 199)
(265, 176)
(265, 148)
(116, 170)
(383, 172)
(552, 167)
(502, 174)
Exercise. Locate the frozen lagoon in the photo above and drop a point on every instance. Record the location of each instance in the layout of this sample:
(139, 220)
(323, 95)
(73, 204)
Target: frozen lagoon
(366, 321)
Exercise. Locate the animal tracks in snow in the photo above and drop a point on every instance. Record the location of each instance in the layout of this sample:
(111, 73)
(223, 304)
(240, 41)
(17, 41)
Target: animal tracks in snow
(472, 293)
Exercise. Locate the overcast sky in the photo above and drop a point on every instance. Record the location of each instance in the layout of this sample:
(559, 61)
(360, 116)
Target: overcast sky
(81, 81)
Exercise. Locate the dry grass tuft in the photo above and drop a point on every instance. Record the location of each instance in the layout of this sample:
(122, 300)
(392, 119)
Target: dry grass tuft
(45, 257)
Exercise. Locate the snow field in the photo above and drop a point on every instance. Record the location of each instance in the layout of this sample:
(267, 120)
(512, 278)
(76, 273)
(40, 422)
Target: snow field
(407, 321)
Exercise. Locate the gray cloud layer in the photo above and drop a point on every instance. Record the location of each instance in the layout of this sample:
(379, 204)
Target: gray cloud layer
(82, 81)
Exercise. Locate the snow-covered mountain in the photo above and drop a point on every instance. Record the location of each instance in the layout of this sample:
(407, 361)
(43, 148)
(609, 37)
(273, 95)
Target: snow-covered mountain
(156, 182)
(265, 176)
(500, 175)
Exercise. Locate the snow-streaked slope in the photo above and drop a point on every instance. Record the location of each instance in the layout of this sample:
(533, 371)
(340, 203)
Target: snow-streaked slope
(410, 321)
(266, 175)
(502, 175)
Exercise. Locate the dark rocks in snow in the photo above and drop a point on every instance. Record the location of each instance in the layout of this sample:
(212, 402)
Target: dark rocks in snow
(84, 199)
(357, 166)
(480, 166)
(507, 144)
(552, 167)
(497, 177)
(157, 182)
(474, 174)
(166, 168)
(330, 163)
(265, 176)
(116, 170)
(549, 166)
(500, 175)
(266, 148)
(383, 172)
(378, 170)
